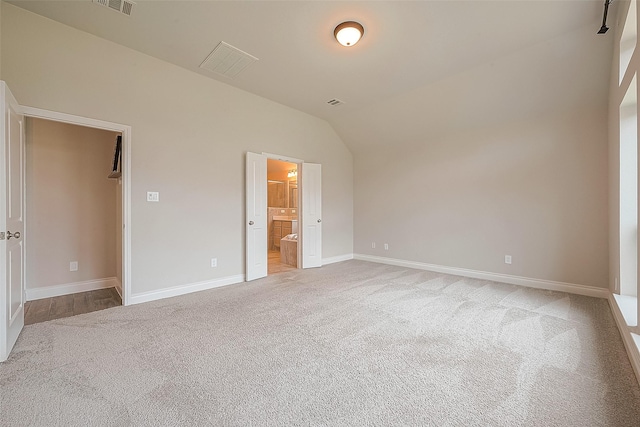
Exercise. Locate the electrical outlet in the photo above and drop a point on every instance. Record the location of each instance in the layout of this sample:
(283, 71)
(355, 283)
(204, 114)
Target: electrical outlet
(153, 196)
(214, 262)
(373, 245)
(386, 246)
(73, 266)
(507, 259)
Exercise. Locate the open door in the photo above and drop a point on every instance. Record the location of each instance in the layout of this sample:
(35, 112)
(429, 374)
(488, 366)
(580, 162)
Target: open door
(11, 221)
(256, 224)
(311, 207)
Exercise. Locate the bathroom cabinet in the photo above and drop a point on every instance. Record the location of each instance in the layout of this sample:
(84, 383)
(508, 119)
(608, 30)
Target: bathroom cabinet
(280, 229)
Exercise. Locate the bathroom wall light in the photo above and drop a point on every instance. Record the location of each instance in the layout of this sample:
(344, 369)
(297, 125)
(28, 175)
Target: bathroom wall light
(292, 173)
(348, 33)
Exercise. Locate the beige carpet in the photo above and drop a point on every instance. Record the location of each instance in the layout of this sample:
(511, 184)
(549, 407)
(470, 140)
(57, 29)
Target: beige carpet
(349, 344)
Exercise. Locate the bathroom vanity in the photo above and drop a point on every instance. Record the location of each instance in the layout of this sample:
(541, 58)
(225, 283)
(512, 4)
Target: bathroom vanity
(282, 226)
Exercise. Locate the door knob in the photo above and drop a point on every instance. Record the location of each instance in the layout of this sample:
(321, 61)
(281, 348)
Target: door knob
(319, 220)
(10, 235)
(250, 222)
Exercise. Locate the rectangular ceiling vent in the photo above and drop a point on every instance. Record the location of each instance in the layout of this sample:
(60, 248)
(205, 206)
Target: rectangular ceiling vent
(123, 6)
(227, 60)
(335, 102)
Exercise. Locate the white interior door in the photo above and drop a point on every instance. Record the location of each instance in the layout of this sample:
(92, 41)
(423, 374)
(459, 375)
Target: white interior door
(11, 221)
(256, 216)
(311, 184)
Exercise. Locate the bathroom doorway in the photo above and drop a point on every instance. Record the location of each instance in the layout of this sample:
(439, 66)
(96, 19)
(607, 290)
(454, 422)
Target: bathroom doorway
(307, 196)
(282, 216)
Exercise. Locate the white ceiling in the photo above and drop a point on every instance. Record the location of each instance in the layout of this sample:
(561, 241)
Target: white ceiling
(407, 48)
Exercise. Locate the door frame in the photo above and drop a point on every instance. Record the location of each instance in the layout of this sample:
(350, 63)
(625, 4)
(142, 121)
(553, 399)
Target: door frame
(125, 130)
(298, 163)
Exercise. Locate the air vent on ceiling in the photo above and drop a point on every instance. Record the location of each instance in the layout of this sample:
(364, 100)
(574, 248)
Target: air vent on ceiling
(335, 102)
(123, 6)
(227, 60)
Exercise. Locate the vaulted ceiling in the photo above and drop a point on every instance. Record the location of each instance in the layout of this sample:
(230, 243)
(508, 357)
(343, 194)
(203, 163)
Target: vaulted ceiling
(422, 68)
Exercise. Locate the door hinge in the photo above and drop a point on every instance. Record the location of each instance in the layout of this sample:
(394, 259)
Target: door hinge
(2, 235)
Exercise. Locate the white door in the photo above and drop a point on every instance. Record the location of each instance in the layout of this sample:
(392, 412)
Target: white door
(256, 221)
(311, 184)
(11, 221)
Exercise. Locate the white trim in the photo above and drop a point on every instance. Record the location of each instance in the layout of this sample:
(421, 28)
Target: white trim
(185, 289)
(126, 216)
(70, 288)
(126, 178)
(334, 259)
(39, 113)
(628, 306)
(282, 158)
(625, 332)
(497, 277)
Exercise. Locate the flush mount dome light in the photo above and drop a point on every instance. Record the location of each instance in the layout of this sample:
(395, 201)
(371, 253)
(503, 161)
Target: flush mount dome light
(348, 33)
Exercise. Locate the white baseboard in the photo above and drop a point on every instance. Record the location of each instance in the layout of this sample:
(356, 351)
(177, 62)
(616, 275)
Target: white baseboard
(496, 277)
(334, 259)
(185, 289)
(625, 332)
(70, 288)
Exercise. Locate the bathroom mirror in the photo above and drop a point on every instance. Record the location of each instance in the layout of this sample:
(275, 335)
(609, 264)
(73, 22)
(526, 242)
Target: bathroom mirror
(293, 194)
(276, 194)
(282, 194)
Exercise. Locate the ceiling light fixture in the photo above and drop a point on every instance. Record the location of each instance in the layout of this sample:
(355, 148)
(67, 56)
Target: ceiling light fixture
(292, 173)
(348, 33)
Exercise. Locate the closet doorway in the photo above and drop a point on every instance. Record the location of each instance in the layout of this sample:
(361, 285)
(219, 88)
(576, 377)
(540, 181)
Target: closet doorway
(13, 214)
(74, 219)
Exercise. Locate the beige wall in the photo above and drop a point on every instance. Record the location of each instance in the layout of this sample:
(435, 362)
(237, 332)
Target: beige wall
(535, 190)
(71, 204)
(190, 136)
(509, 158)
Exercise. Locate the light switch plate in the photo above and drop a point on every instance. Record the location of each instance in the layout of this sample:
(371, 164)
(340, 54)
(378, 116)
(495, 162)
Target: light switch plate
(153, 196)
